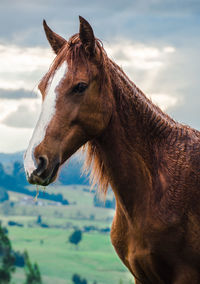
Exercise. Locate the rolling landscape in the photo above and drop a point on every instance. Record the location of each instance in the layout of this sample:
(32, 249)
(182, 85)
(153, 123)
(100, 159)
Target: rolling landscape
(43, 226)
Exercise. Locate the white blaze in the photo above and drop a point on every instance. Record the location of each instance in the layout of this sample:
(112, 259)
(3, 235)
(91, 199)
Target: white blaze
(46, 115)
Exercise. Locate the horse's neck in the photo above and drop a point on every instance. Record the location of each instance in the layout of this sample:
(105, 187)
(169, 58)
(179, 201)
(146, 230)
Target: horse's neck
(128, 146)
(127, 164)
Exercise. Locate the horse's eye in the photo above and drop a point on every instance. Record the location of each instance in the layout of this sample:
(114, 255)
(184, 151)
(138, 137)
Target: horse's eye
(80, 87)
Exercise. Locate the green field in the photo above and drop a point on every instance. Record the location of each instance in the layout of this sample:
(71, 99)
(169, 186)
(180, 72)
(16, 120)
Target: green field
(94, 259)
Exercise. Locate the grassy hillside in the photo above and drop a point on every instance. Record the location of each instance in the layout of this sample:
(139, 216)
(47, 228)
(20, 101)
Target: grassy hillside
(95, 258)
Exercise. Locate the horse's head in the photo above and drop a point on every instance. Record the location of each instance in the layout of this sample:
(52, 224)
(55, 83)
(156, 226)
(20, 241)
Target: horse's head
(74, 109)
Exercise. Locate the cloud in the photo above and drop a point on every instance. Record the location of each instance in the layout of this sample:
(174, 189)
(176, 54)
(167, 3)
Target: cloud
(17, 59)
(22, 20)
(21, 118)
(135, 58)
(14, 139)
(22, 68)
(149, 66)
(145, 63)
(164, 101)
(20, 114)
(30, 64)
(17, 120)
(16, 94)
(137, 55)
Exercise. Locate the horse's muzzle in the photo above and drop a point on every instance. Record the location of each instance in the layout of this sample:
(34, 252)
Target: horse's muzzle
(43, 175)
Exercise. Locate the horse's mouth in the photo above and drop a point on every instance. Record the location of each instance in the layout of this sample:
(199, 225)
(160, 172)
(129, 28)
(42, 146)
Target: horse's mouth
(45, 178)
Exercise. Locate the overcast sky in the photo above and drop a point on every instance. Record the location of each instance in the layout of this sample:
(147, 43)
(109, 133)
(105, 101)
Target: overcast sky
(156, 42)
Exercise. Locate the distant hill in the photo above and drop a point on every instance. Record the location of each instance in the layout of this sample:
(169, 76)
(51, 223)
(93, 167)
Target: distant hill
(7, 158)
(70, 173)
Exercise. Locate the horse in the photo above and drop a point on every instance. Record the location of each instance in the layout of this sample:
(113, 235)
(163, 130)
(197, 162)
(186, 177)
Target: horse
(151, 162)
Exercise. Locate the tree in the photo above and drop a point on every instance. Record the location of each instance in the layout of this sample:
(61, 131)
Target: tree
(107, 204)
(2, 172)
(39, 220)
(76, 279)
(32, 271)
(75, 237)
(17, 168)
(3, 195)
(19, 259)
(7, 258)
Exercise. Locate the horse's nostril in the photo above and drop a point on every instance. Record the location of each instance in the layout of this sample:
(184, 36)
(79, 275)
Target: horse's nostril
(42, 165)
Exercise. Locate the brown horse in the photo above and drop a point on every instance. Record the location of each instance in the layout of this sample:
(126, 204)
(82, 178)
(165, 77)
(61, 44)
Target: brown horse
(151, 162)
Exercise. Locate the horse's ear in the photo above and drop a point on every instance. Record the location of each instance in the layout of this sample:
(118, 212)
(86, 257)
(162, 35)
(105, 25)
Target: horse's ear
(56, 41)
(87, 36)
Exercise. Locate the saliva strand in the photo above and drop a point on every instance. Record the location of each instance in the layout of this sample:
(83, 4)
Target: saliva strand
(37, 193)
